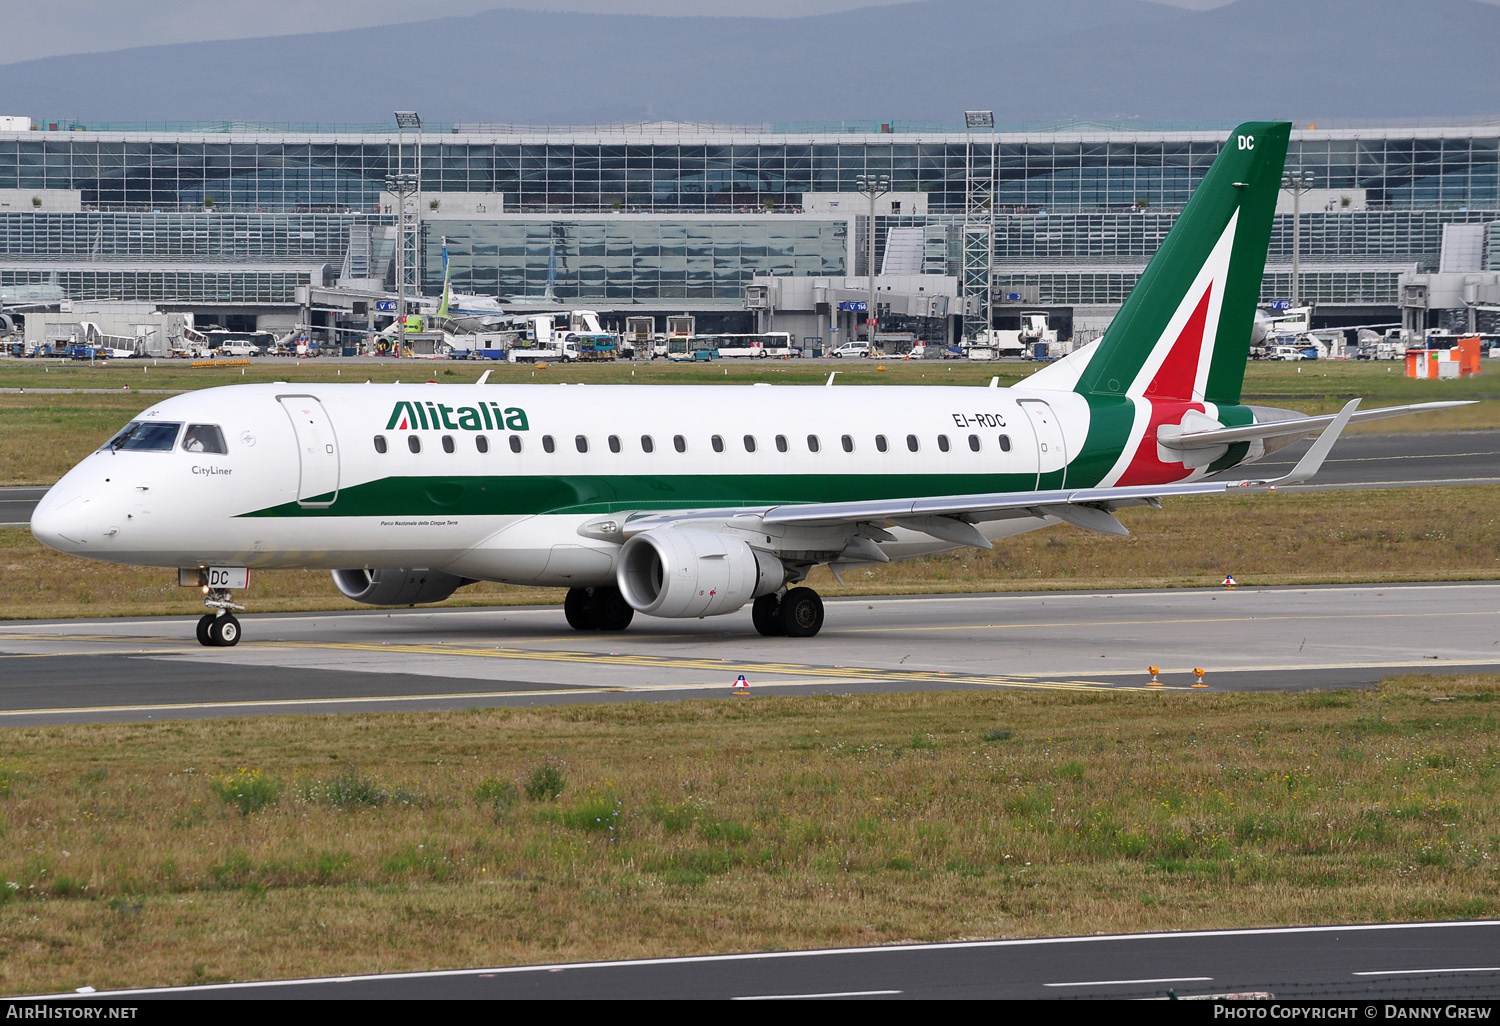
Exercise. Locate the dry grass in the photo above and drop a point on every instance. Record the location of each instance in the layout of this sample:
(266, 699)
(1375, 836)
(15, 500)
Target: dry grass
(406, 842)
(1396, 534)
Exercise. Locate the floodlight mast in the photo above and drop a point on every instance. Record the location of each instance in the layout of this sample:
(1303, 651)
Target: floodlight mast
(407, 189)
(1297, 182)
(873, 186)
(980, 168)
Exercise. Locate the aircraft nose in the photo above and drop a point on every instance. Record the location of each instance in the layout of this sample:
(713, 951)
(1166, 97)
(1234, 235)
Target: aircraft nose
(61, 521)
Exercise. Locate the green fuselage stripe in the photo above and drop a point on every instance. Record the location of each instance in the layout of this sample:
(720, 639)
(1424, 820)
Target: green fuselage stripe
(506, 495)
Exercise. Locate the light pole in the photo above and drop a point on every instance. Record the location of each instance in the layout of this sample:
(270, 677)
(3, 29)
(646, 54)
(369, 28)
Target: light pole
(978, 259)
(404, 185)
(873, 186)
(1297, 182)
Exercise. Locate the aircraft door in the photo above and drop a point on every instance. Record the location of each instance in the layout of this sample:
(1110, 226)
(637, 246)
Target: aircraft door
(317, 450)
(1051, 448)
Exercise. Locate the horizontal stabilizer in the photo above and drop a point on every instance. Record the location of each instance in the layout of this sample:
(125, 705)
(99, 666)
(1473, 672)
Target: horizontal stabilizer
(1284, 428)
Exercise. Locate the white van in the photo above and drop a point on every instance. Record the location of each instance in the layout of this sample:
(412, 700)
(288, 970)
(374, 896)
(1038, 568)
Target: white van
(851, 349)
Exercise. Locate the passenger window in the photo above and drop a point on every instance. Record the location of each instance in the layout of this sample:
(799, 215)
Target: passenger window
(481, 443)
(380, 443)
(548, 445)
(679, 443)
(749, 443)
(880, 443)
(647, 444)
(204, 438)
(911, 443)
(413, 443)
(718, 443)
(447, 443)
(1005, 443)
(581, 442)
(942, 443)
(974, 443)
(781, 445)
(614, 443)
(848, 443)
(515, 443)
(813, 444)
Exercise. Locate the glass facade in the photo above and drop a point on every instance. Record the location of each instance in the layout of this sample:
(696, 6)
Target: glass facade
(247, 287)
(1381, 236)
(1096, 287)
(718, 170)
(636, 214)
(627, 259)
(109, 234)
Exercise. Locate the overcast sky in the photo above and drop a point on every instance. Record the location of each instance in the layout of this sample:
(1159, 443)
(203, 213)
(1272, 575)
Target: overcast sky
(45, 28)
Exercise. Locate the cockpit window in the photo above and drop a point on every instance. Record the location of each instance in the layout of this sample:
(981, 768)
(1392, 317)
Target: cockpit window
(148, 436)
(204, 438)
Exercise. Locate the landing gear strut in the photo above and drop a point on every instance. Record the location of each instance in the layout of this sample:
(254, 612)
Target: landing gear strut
(797, 613)
(220, 629)
(597, 609)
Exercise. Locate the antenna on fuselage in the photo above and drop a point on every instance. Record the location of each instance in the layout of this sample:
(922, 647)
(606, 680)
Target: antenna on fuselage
(831, 376)
(483, 378)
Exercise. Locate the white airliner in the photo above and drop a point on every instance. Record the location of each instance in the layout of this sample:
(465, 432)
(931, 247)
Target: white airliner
(684, 501)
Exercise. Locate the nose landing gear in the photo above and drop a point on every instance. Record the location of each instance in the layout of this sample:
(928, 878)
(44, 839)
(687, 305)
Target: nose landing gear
(220, 629)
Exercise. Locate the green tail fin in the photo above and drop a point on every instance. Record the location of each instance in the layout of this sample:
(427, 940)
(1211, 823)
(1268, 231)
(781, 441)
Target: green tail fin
(1184, 331)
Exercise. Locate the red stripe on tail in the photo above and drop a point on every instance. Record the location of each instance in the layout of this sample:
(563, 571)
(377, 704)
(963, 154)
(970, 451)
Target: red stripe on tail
(1179, 371)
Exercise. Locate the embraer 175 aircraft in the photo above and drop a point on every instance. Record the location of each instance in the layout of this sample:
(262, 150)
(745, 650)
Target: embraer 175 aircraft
(686, 501)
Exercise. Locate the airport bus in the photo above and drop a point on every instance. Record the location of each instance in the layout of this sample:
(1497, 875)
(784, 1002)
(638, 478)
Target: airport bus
(776, 343)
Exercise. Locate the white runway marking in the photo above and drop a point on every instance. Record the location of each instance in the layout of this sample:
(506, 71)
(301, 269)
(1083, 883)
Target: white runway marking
(1123, 983)
(807, 997)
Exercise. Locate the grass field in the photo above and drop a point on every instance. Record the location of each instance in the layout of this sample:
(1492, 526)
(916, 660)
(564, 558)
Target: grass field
(189, 852)
(1281, 538)
(196, 851)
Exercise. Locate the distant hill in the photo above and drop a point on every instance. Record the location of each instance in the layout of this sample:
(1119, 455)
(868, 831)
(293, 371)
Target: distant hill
(926, 61)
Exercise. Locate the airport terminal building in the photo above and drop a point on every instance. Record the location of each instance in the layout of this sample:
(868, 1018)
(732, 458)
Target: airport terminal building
(258, 225)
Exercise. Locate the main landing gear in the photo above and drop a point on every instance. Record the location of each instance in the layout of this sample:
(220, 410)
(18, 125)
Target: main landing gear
(797, 613)
(597, 609)
(220, 629)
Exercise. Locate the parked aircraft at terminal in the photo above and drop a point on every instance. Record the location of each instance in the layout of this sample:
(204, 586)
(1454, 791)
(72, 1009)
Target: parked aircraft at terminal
(688, 501)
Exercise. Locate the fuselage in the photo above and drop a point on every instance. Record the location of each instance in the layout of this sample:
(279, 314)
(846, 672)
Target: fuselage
(493, 481)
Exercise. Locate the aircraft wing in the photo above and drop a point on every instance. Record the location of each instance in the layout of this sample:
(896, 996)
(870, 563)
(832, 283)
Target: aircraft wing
(952, 517)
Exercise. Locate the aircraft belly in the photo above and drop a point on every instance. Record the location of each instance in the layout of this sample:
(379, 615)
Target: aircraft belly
(543, 550)
(321, 543)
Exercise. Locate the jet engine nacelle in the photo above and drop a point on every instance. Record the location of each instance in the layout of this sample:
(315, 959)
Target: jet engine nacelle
(675, 572)
(397, 587)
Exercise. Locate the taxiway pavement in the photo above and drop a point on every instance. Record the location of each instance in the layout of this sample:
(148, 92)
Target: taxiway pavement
(1291, 638)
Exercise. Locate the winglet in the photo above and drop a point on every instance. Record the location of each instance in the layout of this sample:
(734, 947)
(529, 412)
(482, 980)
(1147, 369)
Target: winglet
(1313, 460)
